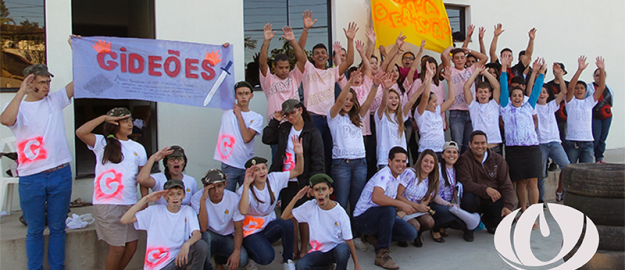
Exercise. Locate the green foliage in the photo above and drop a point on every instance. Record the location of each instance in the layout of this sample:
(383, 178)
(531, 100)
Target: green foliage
(289, 51)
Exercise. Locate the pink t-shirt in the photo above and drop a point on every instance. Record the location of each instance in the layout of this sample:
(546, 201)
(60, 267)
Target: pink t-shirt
(403, 73)
(278, 91)
(362, 92)
(318, 87)
(439, 91)
(458, 78)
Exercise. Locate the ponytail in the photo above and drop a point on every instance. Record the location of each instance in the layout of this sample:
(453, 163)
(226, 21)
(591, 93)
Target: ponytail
(113, 149)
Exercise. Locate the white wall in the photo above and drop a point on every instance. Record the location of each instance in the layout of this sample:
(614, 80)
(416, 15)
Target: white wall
(566, 30)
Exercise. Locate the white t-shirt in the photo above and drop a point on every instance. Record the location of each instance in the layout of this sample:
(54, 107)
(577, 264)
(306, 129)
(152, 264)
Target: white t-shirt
(547, 130)
(39, 131)
(485, 117)
(387, 136)
(431, 132)
(289, 154)
(231, 149)
(278, 90)
(190, 187)
(415, 191)
(579, 120)
(166, 233)
(519, 124)
(458, 78)
(318, 85)
(260, 214)
(331, 227)
(117, 183)
(362, 92)
(347, 139)
(385, 180)
(221, 216)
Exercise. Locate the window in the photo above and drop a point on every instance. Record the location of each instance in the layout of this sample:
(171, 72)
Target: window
(280, 13)
(23, 39)
(457, 21)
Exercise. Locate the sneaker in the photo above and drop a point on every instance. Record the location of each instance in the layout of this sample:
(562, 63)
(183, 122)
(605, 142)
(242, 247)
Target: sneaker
(251, 265)
(383, 259)
(359, 244)
(600, 161)
(559, 196)
(289, 265)
(480, 227)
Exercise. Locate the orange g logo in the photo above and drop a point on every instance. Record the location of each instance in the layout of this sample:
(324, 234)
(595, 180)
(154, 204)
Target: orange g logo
(109, 185)
(155, 256)
(31, 150)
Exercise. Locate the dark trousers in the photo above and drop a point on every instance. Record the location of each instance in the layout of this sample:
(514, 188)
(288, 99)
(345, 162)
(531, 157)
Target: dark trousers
(491, 210)
(382, 221)
(371, 148)
(259, 247)
(321, 123)
(443, 218)
(320, 260)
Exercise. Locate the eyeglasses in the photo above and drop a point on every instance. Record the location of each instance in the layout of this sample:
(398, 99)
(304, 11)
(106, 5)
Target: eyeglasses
(408, 58)
(175, 158)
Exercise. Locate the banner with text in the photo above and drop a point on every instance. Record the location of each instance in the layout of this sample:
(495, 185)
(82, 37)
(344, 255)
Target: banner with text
(153, 70)
(417, 19)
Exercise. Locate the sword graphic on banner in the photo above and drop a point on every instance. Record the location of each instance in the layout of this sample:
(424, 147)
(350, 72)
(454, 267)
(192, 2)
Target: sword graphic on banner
(211, 93)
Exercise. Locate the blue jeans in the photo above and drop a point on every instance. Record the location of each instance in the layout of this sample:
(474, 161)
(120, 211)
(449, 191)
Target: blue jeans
(321, 123)
(222, 247)
(600, 130)
(461, 128)
(554, 151)
(259, 247)
(55, 189)
(350, 177)
(382, 221)
(579, 151)
(317, 259)
(235, 176)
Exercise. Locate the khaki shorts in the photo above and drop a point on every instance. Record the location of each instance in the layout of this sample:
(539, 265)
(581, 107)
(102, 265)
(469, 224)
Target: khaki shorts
(109, 227)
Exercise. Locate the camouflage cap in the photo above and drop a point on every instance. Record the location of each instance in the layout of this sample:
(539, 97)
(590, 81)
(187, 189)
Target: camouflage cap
(37, 69)
(213, 176)
(172, 183)
(119, 111)
(178, 151)
(289, 105)
(320, 178)
(255, 161)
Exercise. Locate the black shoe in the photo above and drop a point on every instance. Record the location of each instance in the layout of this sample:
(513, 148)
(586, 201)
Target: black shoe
(468, 236)
(491, 230)
(418, 242)
(553, 166)
(402, 243)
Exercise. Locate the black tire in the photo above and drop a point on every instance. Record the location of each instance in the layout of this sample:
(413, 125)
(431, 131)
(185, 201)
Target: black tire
(602, 211)
(595, 179)
(611, 238)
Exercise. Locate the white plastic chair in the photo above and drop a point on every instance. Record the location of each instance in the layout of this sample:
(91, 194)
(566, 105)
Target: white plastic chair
(7, 182)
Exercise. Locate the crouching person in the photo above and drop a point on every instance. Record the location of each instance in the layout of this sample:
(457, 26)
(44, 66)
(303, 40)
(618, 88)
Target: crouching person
(331, 240)
(220, 222)
(174, 238)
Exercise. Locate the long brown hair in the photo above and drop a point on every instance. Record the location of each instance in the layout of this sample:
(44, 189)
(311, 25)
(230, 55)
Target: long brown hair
(432, 176)
(271, 196)
(430, 59)
(399, 113)
(113, 148)
(354, 113)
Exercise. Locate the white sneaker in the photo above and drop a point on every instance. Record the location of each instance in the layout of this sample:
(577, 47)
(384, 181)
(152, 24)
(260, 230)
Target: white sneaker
(359, 244)
(251, 265)
(289, 265)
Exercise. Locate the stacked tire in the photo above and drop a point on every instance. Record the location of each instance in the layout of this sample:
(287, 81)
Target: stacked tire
(598, 190)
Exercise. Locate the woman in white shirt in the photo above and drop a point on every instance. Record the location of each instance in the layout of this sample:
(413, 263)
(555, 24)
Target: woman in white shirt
(118, 160)
(174, 161)
(428, 114)
(522, 150)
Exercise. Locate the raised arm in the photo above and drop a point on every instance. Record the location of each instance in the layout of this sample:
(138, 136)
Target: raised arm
(391, 57)
(371, 38)
(288, 211)
(336, 48)
(202, 217)
(493, 45)
(503, 78)
(481, 39)
(530, 85)
(581, 65)
(264, 50)
(377, 81)
(482, 58)
(9, 115)
(299, 53)
(527, 58)
(308, 23)
(452, 95)
(468, 96)
(340, 100)
(144, 178)
(366, 66)
(299, 157)
(415, 64)
(559, 73)
(247, 133)
(350, 34)
(387, 83)
(538, 84)
(470, 30)
(425, 96)
(84, 132)
(129, 216)
(494, 83)
(244, 203)
(445, 59)
(599, 91)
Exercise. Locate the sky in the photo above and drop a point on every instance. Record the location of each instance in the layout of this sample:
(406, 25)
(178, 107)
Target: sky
(26, 9)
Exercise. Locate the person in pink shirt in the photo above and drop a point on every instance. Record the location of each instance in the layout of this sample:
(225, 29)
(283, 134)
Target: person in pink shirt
(459, 120)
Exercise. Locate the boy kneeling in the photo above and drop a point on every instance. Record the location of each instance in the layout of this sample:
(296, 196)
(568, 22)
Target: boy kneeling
(174, 238)
(331, 241)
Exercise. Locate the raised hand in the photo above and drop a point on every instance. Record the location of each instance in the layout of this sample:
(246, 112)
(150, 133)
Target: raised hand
(27, 84)
(482, 32)
(600, 62)
(163, 153)
(352, 28)
(278, 115)
(302, 192)
(532, 33)
(387, 80)
(250, 175)
(288, 33)
(371, 35)
(479, 68)
(506, 60)
(154, 196)
(446, 74)
(205, 192)
(378, 78)
(355, 75)
(581, 62)
(422, 45)
(557, 70)
(268, 33)
(336, 47)
(360, 46)
(498, 29)
(543, 68)
(236, 109)
(113, 119)
(470, 30)
(400, 40)
(538, 63)
(308, 21)
(297, 145)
